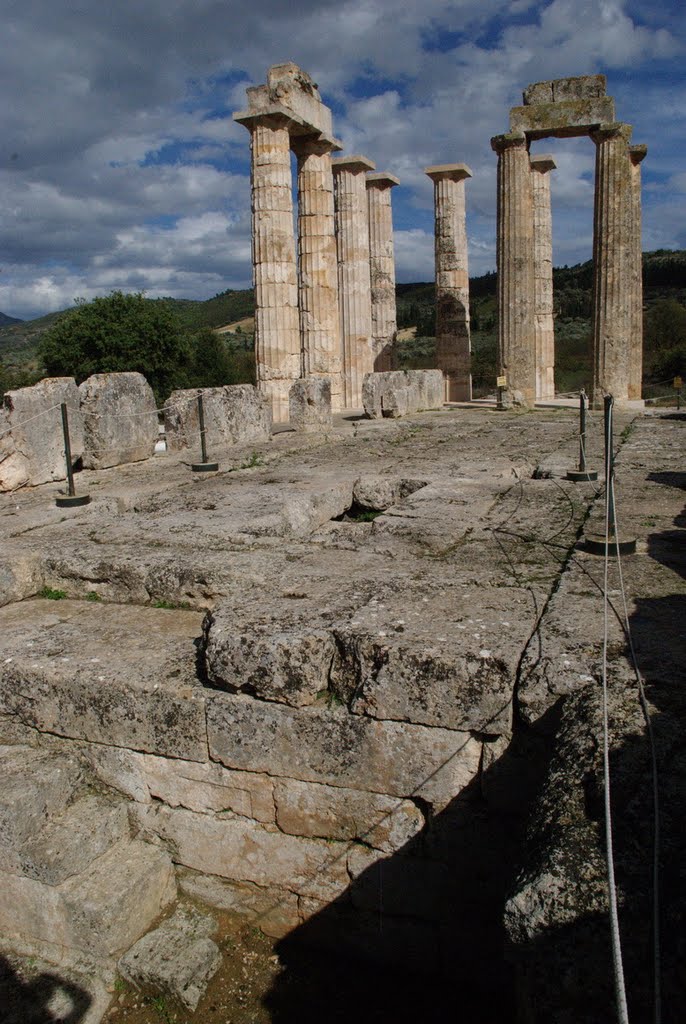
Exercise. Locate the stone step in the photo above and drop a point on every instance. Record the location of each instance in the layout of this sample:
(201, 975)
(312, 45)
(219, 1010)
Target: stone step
(37, 785)
(95, 914)
(69, 844)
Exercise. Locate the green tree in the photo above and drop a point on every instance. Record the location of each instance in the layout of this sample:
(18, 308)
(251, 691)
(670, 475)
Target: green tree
(214, 362)
(118, 333)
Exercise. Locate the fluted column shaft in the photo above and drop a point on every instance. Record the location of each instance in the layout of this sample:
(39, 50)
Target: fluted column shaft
(453, 340)
(382, 269)
(277, 333)
(544, 328)
(515, 262)
(636, 155)
(613, 264)
(354, 280)
(318, 267)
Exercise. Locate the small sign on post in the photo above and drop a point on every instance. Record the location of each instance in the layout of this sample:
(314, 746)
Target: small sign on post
(501, 384)
(678, 385)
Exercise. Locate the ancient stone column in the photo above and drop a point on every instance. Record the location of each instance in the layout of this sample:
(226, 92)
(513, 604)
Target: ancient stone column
(544, 329)
(636, 155)
(354, 280)
(320, 332)
(613, 264)
(515, 262)
(382, 269)
(453, 343)
(277, 332)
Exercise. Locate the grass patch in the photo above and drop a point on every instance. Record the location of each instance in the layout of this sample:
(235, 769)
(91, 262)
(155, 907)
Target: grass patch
(172, 605)
(92, 596)
(49, 594)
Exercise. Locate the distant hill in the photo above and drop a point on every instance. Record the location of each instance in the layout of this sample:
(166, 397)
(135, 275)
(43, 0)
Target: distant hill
(5, 319)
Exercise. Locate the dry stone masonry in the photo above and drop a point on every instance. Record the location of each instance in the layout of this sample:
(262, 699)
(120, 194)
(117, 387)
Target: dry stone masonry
(563, 108)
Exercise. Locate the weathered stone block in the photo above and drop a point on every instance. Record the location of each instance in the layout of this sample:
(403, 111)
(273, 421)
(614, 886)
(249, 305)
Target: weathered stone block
(329, 812)
(119, 419)
(31, 439)
(245, 851)
(309, 404)
(36, 785)
(380, 492)
(234, 414)
(274, 911)
(320, 744)
(564, 117)
(206, 788)
(178, 958)
(401, 392)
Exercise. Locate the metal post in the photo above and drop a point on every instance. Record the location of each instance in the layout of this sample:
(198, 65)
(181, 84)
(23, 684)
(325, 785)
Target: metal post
(609, 465)
(70, 499)
(582, 473)
(204, 466)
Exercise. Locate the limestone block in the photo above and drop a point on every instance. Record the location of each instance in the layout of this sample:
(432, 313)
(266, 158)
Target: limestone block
(205, 788)
(31, 439)
(274, 911)
(380, 492)
(245, 851)
(36, 786)
(234, 414)
(581, 87)
(101, 911)
(404, 886)
(119, 419)
(309, 404)
(68, 844)
(401, 392)
(564, 117)
(178, 958)
(328, 745)
(20, 575)
(328, 812)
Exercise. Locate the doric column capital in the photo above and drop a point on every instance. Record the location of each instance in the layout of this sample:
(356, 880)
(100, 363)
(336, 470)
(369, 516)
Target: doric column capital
(510, 140)
(277, 117)
(611, 130)
(451, 172)
(315, 145)
(356, 164)
(382, 180)
(543, 163)
(638, 153)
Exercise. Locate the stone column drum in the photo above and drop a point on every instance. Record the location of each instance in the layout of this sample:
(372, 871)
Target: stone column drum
(613, 264)
(636, 154)
(515, 263)
(544, 328)
(453, 342)
(318, 266)
(354, 280)
(277, 332)
(382, 269)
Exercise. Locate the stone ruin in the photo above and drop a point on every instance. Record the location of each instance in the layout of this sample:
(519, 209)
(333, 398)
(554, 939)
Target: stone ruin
(329, 311)
(566, 108)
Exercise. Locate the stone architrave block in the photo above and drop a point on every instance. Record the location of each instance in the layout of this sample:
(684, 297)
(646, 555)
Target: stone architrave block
(563, 117)
(31, 438)
(234, 414)
(331, 746)
(397, 393)
(119, 419)
(309, 404)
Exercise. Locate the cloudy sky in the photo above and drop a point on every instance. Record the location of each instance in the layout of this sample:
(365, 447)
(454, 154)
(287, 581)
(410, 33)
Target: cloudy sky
(120, 166)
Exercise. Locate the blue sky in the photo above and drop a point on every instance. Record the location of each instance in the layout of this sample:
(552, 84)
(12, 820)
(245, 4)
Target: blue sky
(120, 166)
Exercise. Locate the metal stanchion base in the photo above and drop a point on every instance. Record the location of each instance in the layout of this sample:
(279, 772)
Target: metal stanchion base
(578, 476)
(594, 543)
(205, 467)
(72, 500)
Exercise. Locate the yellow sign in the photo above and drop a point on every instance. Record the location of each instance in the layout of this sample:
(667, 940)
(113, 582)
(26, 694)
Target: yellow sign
(678, 383)
(501, 382)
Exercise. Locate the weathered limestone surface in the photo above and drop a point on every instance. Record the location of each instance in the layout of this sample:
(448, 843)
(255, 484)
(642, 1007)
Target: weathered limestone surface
(119, 419)
(453, 343)
(543, 276)
(31, 439)
(354, 276)
(382, 268)
(178, 958)
(273, 910)
(233, 414)
(402, 392)
(564, 107)
(515, 258)
(320, 330)
(289, 88)
(309, 404)
(614, 277)
(328, 745)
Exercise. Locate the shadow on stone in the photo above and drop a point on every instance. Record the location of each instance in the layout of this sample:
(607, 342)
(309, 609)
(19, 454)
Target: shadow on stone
(44, 999)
